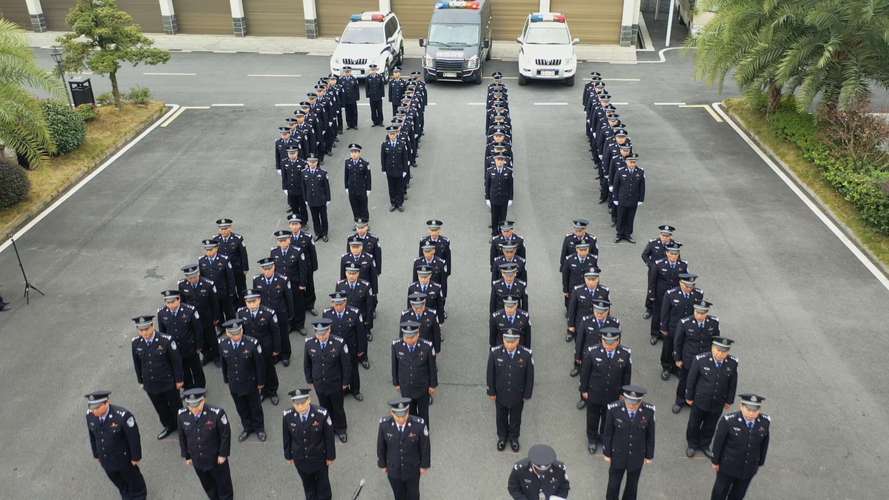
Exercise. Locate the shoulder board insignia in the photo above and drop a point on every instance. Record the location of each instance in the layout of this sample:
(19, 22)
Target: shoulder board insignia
(702, 355)
(715, 318)
(577, 287)
(766, 417)
(287, 412)
(214, 410)
(522, 282)
(650, 406)
(327, 310)
(339, 282)
(135, 338)
(180, 282)
(337, 338)
(322, 411)
(182, 410)
(496, 347)
(613, 404)
(255, 341)
(627, 349)
(308, 339)
(427, 342)
(396, 341)
(166, 336)
(382, 419)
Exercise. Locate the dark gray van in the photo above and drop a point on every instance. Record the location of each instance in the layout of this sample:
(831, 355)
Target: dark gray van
(459, 41)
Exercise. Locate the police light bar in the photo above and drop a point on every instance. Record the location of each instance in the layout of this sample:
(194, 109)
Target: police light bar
(551, 16)
(368, 16)
(457, 4)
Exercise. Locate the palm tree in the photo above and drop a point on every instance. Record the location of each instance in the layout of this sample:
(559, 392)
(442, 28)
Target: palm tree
(22, 124)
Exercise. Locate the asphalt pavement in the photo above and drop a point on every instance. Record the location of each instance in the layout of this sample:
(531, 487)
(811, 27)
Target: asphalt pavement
(808, 319)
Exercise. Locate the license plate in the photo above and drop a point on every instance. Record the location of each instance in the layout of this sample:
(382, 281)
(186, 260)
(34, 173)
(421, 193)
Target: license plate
(548, 73)
(450, 74)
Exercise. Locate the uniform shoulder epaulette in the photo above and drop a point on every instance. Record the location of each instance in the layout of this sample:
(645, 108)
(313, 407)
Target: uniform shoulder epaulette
(592, 348)
(496, 347)
(616, 320)
(493, 283)
(326, 310)
(180, 281)
(165, 336)
(287, 412)
(337, 338)
(729, 416)
(699, 290)
(340, 282)
(221, 339)
(272, 249)
(343, 255)
(160, 309)
(734, 358)
(431, 310)
(522, 282)
(215, 410)
(613, 404)
(365, 282)
(135, 338)
(648, 405)
(182, 410)
(427, 342)
(528, 349)
(395, 341)
(559, 465)
(578, 286)
(188, 306)
(603, 287)
(405, 311)
(209, 280)
(715, 318)
(242, 308)
(651, 240)
(765, 416)
(238, 236)
(626, 348)
(352, 308)
(687, 319)
(321, 410)
(702, 355)
(383, 419)
(308, 339)
(252, 339)
(419, 419)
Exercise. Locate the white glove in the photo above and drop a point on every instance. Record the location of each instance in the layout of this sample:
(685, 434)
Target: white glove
(639, 204)
(615, 202)
(327, 204)
(610, 189)
(509, 203)
(488, 203)
(347, 191)
(367, 193)
(285, 192)
(403, 175)
(279, 171)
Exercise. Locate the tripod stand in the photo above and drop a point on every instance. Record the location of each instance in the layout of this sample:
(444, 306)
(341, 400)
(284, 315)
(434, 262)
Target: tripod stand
(28, 285)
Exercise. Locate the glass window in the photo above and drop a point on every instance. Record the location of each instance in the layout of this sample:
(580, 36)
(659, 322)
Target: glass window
(548, 35)
(455, 35)
(363, 34)
(391, 27)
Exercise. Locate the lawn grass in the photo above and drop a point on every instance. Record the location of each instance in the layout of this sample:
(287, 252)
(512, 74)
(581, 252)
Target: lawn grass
(110, 130)
(755, 122)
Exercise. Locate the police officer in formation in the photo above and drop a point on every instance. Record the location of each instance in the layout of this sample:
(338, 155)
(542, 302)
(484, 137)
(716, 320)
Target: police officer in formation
(316, 191)
(677, 303)
(582, 299)
(218, 269)
(507, 236)
(662, 276)
(426, 319)
(359, 295)
(628, 441)
(244, 371)
(397, 87)
(302, 239)
(508, 286)
(201, 294)
(261, 323)
(739, 448)
(510, 379)
(713, 380)
(309, 444)
(282, 143)
(358, 183)
(328, 369)
(508, 256)
(414, 372)
(440, 271)
(540, 475)
(589, 334)
(292, 181)
(347, 323)
(157, 361)
(441, 243)
(356, 256)
(182, 323)
(423, 284)
(116, 445)
(351, 94)
(510, 318)
(276, 294)
(655, 250)
(205, 443)
(375, 88)
(231, 245)
(692, 337)
(606, 368)
(403, 450)
(579, 235)
(394, 157)
(628, 192)
(499, 192)
(290, 262)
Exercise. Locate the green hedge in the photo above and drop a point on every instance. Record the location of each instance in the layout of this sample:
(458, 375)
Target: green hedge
(860, 184)
(14, 185)
(66, 126)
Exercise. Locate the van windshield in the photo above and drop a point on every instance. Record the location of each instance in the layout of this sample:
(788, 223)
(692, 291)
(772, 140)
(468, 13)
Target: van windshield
(556, 35)
(453, 34)
(363, 34)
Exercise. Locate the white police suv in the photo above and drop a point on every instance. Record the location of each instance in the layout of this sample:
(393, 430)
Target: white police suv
(369, 38)
(547, 49)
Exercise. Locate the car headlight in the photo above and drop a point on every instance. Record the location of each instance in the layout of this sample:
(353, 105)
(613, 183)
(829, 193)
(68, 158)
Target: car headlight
(428, 61)
(472, 63)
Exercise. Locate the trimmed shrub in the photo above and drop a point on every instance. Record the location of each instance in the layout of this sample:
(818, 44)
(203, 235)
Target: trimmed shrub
(14, 185)
(139, 95)
(66, 126)
(87, 111)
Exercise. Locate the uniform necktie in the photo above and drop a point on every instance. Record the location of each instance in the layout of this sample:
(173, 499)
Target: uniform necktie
(340, 315)
(410, 348)
(236, 345)
(632, 414)
(718, 364)
(511, 318)
(323, 345)
(700, 324)
(511, 354)
(750, 425)
(611, 355)
(304, 417)
(401, 428)
(254, 314)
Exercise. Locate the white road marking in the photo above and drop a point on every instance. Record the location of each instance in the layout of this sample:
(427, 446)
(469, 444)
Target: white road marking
(271, 52)
(432, 104)
(83, 182)
(550, 103)
(661, 57)
(646, 37)
(227, 105)
(169, 74)
(275, 76)
(621, 103)
(176, 114)
(669, 104)
(706, 108)
(505, 77)
(475, 103)
(286, 105)
(874, 270)
(618, 79)
(224, 51)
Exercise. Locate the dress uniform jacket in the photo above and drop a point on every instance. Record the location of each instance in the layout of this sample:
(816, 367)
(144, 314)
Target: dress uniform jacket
(311, 443)
(588, 334)
(281, 146)
(442, 249)
(304, 136)
(305, 241)
(158, 363)
(351, 92)
(663, 276)
(510, 378)
(601, 377)
(676, 305)
(569, 245)
(525, 484)
(219, 271)
(316, 187)
(738, 451)
(294, 264)
(366, 265)
(360, 296)
(440, 271)
(629, 441)
(516, 240)
(573, 269)
(521, 271)
(434, 297)
(429, 327)
(276, 294)
(350, 328)
(375, 86)
(403, 453)
(205, 437)
(654, 251)
(499, 185)
(414, 372)
(500, 322)
(357, 176)
(371, 246)
(204, 297)
(629, 186)
(115, 442)
(328, 369)
(394, 158)
(501, 288)
(396, 89)
(233, 247)
(262, 326)
(243, 369)
(580, 302)
(691, 339)
(292, 176)
(710, 387)
(184, 326)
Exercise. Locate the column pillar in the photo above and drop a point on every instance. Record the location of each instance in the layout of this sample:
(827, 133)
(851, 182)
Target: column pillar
(168, 17)
(38, 18)
(311, 16)
(385, 6)
(629, 25)
(239, 21)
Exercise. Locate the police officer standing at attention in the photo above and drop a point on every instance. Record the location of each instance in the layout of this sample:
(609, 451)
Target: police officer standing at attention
(182, 323)
(582, 299)
(510, 384)
(328, 370)
(510, 318)
(309, 444)
(508, 286)
(662, 276)
(426, 318)
(231, 245)
(375, 87)
(507, 236)
(394, 159)
(292, 262)
(316, 191)
(302, 239)
(739, 448)
(276, 294)
(414, 372)
(628, 195)
(217, 268)
(655, 250)
(441, 242)
(498, 191)
(605, 369)
(201, 294)
(205, 442)
(677, 303)
(403, 450)
(261, 323)
(291, 182)
(396, 89)
(359, 295)
(357, 180)
(347, 323)
(628, 441)
(244, 371)
(281, 145)
(423, 284)
(713, 379)
(114, 439)
(589, 334)
(572, 239)
(539, 476)
(351, 94)
(158, 368)
(691, 337)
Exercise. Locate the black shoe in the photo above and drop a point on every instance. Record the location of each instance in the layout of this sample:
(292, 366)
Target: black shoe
(581, 404)
(592, 446)
(325, 239)
(501, 444)
(630, 240)
(358, 396)
(676, 407)
(4, 306)
(689, 452)
(400, 209)
(613, 223)
(646, 315)
(574, 371)
(405, 197)
(164, 433)
(243, 436)
(274, 399)
(653, 340)
(343, 437)
(665, 375)
(365, 364)
(514, 444)
(602, 201)
(708, 452)
(370, 337)
(285, 362)
(391, 208)
(261, 436)
(618, 239)
(317, 237)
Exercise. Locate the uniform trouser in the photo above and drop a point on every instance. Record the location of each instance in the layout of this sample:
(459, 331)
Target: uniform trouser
(656, 315)
(729, 488)
(193, 372)
(211, 343)
(603, 187)
(376, 111)
(250, 410)
(319, 220)
(359, 205)
(595, 421)
(498, 215)
(298, 320)
(217, 482)
(167, 405)
(338, 118)
(227, 304)
(405, 488)
(271, 374)
(355, 382)
(615, 477)
(297, 204)
(351, 114)
(310, 290)
(625, 218)
(395, 108)
(396, 190)
(420, 406)
(667, 363)
(701, 426)
(509, 420)
(284, 326)
(316, 484)
(683, 383)
(129, 482)
(333, 402)
(240, 284)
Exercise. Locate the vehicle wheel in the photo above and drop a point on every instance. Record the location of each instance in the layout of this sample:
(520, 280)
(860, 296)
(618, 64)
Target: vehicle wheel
(401, 55)
(477, 79)
(427, 78)
(523, 80)
(569, 82)
(490, 46)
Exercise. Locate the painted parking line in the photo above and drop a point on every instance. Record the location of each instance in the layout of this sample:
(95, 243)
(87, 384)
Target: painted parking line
(181, 110)
(621, 80)
(287, 105)
(669, 104)
(363, 104)
(169, 74)
(660, 55)
(226, 105)
(707, 108)
(550, 103)
(273, 76)
(475, 104)
(504, 77)
(224, 51)
(870, 266)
